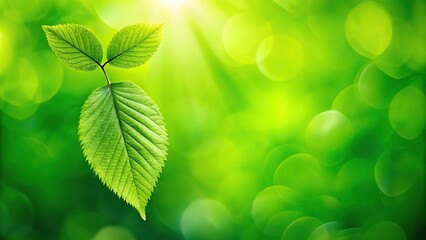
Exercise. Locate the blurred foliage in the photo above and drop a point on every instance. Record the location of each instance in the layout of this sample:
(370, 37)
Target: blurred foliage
(288, 119)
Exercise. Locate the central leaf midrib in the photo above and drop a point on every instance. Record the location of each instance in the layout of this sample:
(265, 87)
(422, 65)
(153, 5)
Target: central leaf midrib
(125, 145)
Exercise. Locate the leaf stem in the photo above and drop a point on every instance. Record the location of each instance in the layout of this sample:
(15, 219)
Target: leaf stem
(106, 75)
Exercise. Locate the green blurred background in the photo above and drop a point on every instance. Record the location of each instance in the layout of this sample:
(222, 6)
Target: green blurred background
(288, 119)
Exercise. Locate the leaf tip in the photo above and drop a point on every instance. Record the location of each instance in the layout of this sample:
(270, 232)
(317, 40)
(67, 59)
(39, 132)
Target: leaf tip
(160, 26)
(45, 27)
(143, 215)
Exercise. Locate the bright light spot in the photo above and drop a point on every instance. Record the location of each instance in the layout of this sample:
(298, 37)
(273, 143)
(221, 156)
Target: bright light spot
(174, 4)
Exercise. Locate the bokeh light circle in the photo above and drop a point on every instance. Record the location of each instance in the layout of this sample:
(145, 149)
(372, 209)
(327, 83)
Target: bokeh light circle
(50, 79)
(326, 20)
(375, 87)
(206, 219)
(407, 112)
(279, 222)
(397, 170)
(327, 231)
(394, 58)
(349, 103)
(276, 156)
(20, 85)
(28, 10)
(355, 182)
(369, 29)
(323, 206)
(294, 7)
(417, 37)
(385, 230)
(272, 201)
(242, 35)
(350, 234)
(280, 57)
(19, 112)
(16, 213)
(300, 172)
(329, 137)
(82, 225)
(32, 166)
(113, 233)
(301, 228)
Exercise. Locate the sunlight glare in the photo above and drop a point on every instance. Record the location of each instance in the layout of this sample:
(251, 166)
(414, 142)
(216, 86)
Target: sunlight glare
(174, 4)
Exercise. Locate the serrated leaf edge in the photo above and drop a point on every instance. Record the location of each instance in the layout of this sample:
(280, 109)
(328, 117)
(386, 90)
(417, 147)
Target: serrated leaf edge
(142, 212)
(48, 27)
(159, 27)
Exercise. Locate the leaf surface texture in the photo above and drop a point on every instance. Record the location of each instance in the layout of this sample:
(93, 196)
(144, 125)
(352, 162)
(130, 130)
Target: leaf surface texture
(134, 45)
(124, 139)
(76, 46)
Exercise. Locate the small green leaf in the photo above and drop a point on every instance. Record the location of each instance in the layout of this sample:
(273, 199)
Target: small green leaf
(76, 46)
(134, 45)
(124, 139)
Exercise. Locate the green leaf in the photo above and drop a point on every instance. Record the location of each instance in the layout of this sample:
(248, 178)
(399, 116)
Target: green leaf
(134, 45)
(124, 139)
(75, 45)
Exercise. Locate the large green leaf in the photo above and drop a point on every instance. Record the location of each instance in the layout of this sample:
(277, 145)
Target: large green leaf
(134, 45)
(124, 139)
(75, 45)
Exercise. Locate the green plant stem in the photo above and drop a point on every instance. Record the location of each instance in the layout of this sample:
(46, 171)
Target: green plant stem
(106, 75)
